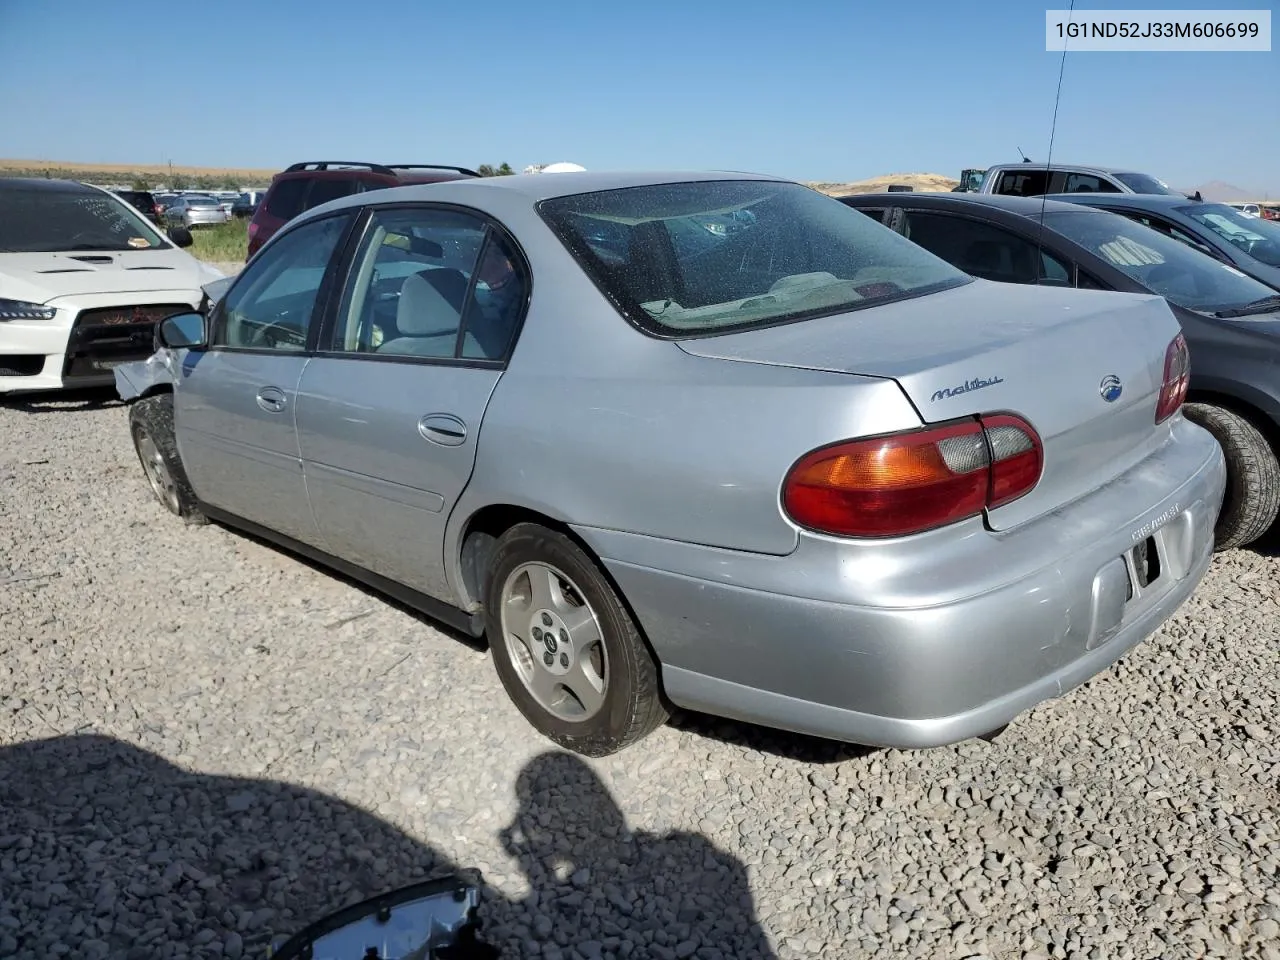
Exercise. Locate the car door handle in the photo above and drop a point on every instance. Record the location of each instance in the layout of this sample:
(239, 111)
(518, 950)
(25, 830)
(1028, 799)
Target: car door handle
(271, 399)
(442, 428)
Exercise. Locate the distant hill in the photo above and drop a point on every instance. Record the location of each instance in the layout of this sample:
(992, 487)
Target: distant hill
(921, 182)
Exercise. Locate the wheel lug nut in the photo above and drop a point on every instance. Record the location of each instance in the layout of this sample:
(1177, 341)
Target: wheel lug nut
(564, 635)
(548, 658)
(537, 633)
(546, 619)
(564, 659)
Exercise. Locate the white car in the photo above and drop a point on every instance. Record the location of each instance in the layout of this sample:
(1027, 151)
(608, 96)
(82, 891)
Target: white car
(84, 279)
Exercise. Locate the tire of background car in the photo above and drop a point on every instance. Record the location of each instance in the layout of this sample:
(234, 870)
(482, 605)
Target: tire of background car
(1253, 476)
(527, 639)
(151, 426)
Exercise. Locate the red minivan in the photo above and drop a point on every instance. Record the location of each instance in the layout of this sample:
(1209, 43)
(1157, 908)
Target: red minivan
(311, 183)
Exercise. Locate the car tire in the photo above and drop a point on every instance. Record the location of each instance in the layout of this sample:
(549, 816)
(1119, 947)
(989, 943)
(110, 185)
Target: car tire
(1252, 499)
(592, 637)
(151, 426)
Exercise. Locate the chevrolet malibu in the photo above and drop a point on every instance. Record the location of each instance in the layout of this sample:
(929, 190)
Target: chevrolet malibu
(801, 472)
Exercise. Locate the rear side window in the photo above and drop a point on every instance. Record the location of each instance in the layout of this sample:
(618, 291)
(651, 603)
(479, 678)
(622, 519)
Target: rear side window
(1088, 183)
(325, 189)
(285, 200)
(985, 250)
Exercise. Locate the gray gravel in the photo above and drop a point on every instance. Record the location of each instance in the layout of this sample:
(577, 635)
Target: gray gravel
(205, 741)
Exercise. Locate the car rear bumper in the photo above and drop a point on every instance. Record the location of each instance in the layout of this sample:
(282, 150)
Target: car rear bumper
(927, 640)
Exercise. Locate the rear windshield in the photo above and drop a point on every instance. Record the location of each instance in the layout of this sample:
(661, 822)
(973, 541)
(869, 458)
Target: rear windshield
(202, 201)
(712, 256)
(46, 221)
(1141, 183)
(1258, 238)
(1162, 264)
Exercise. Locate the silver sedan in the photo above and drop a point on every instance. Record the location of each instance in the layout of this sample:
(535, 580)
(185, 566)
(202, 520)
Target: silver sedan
(195, 211)
(710, 441)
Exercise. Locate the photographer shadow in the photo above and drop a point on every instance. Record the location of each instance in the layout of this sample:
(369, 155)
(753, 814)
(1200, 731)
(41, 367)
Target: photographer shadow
(109, 851)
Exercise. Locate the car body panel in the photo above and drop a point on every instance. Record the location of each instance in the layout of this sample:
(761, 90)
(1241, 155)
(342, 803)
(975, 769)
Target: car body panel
(669, 465)
(898, 646)
(239, 455)
(380, 481)
(969, 351)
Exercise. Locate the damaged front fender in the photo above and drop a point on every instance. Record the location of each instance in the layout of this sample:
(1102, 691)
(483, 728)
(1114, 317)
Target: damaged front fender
(141, 378)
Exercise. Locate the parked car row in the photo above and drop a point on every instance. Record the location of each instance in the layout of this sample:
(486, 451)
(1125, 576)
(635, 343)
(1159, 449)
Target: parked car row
(791, 466)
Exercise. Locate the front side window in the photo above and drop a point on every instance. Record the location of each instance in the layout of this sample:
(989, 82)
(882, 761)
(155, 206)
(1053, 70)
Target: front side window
(51, 221)
(272, 303)
(1023, 183)
(984, 250)
(1160, 263)
(1258, 238)
(430, 283)
(711, 256)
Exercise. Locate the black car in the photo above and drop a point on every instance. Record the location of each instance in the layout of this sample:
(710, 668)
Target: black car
(1231, 321)
(142, 201)
(246, 205)
(1250, 244)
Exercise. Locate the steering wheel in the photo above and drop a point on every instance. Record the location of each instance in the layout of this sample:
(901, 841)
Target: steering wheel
(274, 333)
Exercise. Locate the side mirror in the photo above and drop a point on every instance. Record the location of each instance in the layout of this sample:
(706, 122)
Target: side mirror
(432, 919)
(181, 236)
(183, 330)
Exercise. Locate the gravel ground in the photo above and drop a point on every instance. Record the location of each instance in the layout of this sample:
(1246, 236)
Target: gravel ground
(205, 742)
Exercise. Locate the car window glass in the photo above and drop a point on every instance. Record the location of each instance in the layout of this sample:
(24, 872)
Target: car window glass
(1163, 265)
(324, 189)
(1022, 183)
(1254, 236)
(718, 255)
(285, 198)
(497, 301)
(271, 304)
(983, 250)
(409, 283)
(1088, 183)
(1086, 282)
(44, 221)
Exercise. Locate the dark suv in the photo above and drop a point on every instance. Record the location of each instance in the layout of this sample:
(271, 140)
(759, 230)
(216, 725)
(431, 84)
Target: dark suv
(142, 201)
(311, 183)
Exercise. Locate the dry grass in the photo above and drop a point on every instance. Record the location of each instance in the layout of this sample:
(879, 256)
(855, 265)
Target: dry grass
(74, 170)
(922, 182)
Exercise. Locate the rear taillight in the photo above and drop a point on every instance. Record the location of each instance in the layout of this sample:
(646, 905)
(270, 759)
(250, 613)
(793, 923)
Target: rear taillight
(914, 481)
(1177, 376)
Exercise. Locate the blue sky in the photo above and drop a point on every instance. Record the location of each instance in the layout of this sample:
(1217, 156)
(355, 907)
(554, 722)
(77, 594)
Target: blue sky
(806, 89)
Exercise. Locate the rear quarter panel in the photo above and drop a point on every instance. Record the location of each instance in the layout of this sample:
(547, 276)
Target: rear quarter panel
(597, 424)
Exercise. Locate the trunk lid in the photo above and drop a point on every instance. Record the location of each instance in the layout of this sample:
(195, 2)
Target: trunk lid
(1043, 353)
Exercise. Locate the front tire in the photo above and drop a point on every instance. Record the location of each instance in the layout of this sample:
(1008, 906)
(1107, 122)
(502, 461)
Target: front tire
(565, 647)
(1253, 476)
(151, 425)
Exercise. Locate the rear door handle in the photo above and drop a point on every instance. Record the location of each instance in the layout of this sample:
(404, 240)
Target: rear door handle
(271, 399)
(443, 428)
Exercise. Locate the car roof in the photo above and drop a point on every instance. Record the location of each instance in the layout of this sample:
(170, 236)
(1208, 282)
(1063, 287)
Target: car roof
(529, 188)
(1025, 206)
(1086, 167)
(1152, 201)
(39, 184)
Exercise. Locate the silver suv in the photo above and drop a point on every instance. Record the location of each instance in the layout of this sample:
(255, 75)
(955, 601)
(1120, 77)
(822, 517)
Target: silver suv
(1027, 179)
